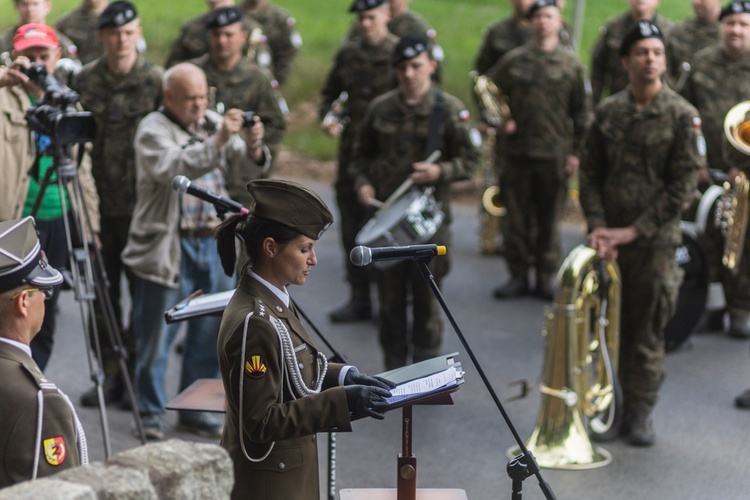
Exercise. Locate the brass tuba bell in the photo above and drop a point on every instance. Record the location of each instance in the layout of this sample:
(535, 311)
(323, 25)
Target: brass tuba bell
(581, 395)
(737, 208)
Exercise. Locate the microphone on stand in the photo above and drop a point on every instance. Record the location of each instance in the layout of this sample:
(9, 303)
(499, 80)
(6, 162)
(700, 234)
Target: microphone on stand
(183, 185)
(361, 256)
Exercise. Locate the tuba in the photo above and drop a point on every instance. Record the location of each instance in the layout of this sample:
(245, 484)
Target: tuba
(494, 110)
(581, 394)
(737, 206)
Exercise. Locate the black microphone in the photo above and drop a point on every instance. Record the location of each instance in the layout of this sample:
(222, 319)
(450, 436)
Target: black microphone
(362, 256)
(182, 184)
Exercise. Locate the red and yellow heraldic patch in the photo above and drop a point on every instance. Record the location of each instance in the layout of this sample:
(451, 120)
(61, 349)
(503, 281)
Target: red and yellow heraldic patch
(256, 366)
(55, 451)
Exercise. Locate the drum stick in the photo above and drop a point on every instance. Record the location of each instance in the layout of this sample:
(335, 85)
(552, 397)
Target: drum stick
(408, 183)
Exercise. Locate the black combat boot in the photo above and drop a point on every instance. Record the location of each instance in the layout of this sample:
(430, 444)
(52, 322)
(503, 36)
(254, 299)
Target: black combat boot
(739, 324)
(544, 288)
(641, 429)
(514, 287)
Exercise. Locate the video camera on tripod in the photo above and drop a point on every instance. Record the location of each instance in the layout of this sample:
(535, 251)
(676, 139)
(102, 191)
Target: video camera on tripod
(55, 115)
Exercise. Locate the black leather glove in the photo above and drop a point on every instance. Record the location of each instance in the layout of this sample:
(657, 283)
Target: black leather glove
(364, 401)
(354, 377)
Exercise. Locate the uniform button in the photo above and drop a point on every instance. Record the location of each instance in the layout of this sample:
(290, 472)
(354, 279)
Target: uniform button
(278, 308)
(282, 466)
(301, 366)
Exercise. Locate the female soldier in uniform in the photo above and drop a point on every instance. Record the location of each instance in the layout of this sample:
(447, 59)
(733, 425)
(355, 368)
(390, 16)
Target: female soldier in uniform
(280, 389)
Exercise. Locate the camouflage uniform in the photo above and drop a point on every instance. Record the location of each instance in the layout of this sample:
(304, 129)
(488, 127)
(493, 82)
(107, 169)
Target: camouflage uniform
(392, 137)
(503, 36)
(686, 39)
(410, 22)
(364, 72)
(80, 26)
(607, 74)
(283, 38)
(193, 42)
(118, 104)
(640, 169)
(250, 88)
(548, 101)
(716, 84)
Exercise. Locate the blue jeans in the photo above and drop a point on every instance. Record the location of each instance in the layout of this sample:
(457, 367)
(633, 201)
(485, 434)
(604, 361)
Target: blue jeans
(200, 268)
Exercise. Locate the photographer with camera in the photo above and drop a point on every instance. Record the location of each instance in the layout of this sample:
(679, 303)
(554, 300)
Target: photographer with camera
(25, 158)
(170, 250)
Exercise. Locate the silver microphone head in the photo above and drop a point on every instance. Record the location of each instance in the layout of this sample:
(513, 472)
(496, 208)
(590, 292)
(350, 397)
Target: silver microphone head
(360, 256)
(180, 183)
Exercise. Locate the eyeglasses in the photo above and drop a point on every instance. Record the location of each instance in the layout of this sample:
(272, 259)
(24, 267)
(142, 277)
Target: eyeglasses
(47, 291)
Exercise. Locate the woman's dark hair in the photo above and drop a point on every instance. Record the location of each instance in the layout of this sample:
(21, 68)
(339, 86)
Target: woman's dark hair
(252, 231)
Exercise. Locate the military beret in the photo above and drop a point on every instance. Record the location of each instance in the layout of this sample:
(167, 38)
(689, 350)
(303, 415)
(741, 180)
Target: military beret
(734, 8)
(22, 261)
(540, 4)
(639, 31)
(117, 14)
(363, 5)
(409, 47)
(223, 16)
(290, 204)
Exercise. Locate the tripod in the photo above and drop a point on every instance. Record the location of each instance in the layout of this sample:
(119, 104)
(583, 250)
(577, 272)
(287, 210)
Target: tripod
(90, 283)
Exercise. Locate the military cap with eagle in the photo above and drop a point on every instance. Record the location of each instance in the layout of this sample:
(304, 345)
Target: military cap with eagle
(117, 14)
(22, 261)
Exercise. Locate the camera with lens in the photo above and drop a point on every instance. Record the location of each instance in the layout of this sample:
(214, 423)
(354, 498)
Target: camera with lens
(248, 119)
(55, 115)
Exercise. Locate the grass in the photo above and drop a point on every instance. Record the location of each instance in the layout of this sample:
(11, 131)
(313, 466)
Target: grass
(323, 23)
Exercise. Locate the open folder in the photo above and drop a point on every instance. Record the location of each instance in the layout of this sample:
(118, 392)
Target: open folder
(423, 382)
(197, 305)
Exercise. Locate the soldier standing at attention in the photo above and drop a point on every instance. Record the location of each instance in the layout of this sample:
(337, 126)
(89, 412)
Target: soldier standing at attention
(283, 38)
(607, 74)
(720, 78)
(688, 37)
(503, 36)
(41, 434)
(35, 12)
(80, 25)
(400, 129)
(639, 170)
(119, 88)
(193, 39)
(545, 85)
(239, 83)
(362, 69)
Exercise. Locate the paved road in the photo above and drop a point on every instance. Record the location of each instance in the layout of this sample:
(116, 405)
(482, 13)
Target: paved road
(702, 440)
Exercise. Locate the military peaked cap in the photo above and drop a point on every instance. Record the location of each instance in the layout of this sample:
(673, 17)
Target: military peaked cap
(637, 32)
(117, 14)
(290, 204)
(22, 261)
(363, 5)
(223, 16)
(410, 46)
(540, 4)
(734, 8)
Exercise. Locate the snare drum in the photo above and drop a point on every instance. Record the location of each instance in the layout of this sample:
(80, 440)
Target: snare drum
(412, 219)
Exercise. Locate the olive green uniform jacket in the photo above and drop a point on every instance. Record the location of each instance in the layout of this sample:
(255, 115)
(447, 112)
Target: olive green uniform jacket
(80, 26)
(22, 381)
(271, 416)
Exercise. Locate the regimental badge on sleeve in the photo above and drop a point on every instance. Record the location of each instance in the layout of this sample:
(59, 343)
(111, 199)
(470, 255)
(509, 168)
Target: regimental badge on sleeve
(55, 451)
(256, 366)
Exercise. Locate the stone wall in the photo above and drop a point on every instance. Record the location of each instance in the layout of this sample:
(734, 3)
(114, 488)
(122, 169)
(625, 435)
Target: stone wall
(167, 470)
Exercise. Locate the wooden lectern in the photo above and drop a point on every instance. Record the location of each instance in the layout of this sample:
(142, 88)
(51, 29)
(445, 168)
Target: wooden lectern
(406, 484)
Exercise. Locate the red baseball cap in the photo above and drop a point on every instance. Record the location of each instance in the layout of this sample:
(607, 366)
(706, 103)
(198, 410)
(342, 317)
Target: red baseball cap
(35, 35)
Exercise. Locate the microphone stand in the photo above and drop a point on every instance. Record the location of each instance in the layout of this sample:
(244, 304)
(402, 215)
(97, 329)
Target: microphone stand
(524, 465)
